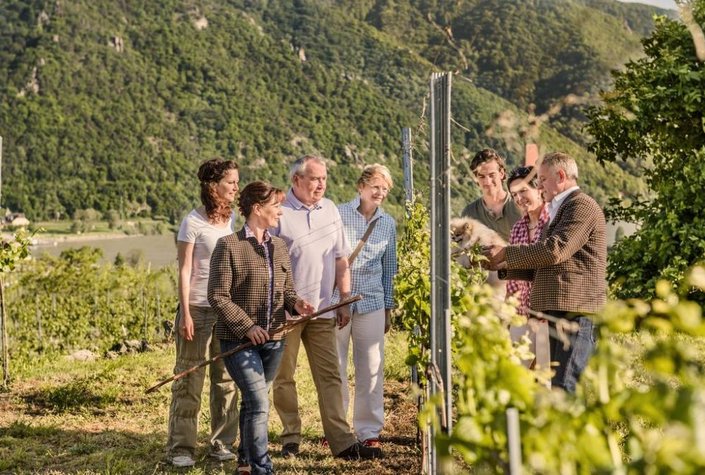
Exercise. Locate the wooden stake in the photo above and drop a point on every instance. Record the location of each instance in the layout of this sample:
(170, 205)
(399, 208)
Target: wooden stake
(248, 344)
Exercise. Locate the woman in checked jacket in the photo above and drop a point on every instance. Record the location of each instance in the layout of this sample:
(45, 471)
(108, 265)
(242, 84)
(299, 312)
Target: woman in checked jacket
(250, 288)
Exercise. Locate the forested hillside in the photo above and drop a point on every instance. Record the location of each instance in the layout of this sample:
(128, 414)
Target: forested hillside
(111, 105)
(529, 52)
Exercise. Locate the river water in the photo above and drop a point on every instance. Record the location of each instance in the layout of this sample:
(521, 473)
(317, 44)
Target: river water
(157, 251)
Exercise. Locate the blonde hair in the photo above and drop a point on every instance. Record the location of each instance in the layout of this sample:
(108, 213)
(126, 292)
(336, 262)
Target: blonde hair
(376, 169)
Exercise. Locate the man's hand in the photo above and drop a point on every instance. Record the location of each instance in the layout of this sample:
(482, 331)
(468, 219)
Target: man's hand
(343, 316)
(387, 320)
(257, 335)
(496, 256)
(303, 307)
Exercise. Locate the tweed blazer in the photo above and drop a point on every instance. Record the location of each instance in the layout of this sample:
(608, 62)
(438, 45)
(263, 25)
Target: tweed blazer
(568, 263)
(238, 285)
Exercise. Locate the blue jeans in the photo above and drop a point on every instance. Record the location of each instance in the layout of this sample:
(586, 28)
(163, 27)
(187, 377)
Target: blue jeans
(253, 370)
(573, 360)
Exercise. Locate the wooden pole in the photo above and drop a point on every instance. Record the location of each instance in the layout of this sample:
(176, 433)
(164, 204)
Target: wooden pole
(514, 441)
(144, 316)
(3, 330)
(38, 314)
(285, 328)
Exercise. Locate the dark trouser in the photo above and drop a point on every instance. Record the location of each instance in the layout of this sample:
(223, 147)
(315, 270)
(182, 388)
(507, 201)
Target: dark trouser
(572, 360)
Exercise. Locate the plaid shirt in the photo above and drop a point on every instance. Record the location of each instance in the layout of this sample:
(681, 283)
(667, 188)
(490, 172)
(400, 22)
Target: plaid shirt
(374, 268)
(520, 235)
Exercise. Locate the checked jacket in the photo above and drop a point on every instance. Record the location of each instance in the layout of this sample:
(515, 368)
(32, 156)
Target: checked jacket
(567, 265)
(238, 285)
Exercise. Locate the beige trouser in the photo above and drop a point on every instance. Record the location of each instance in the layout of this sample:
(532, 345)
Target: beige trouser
(319, 340)
(186, 392)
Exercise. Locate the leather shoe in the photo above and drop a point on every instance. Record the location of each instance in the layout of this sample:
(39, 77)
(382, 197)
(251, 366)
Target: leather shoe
(290, 450)
(358, 451)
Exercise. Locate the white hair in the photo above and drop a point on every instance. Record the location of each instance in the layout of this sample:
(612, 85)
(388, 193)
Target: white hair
(299, 166)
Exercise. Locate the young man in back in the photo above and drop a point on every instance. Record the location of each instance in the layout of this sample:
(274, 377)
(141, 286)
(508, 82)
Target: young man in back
(495, 208)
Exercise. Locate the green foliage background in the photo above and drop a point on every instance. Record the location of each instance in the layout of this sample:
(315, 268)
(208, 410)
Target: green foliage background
(638, 407)
(654, 114)
(89, 125)
(56, 305)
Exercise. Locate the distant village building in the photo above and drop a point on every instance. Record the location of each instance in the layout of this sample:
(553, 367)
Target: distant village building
(16, 219)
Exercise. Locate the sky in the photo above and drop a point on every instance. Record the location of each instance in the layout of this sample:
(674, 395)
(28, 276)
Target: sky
(657, 3)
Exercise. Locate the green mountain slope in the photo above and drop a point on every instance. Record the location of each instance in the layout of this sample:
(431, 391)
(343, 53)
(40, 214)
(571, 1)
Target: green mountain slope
(530, 51)
(111, 105)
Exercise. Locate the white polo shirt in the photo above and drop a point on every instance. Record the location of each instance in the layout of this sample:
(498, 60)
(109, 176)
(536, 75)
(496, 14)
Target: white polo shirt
(316, 238)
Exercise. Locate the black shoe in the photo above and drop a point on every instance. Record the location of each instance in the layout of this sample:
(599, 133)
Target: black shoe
(358, 451)
(290, 450)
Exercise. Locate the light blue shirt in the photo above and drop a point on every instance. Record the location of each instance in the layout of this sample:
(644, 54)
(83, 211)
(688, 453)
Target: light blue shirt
(557, 201)
(374, 268)
(315, 238)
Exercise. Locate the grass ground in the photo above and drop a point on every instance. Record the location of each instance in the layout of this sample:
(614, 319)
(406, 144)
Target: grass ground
(65, 417)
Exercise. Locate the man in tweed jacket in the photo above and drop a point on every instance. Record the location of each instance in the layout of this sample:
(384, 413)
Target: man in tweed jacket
(567, 265)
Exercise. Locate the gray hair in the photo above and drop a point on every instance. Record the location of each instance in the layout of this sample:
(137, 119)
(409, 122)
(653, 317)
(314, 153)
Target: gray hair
(562, 161)
(299, 166)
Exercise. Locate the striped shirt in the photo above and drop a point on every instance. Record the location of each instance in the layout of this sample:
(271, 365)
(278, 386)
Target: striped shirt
(315, 237)
(374, 268)
(520, 235)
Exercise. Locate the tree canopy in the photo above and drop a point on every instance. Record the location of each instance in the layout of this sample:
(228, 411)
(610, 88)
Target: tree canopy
(655, 115)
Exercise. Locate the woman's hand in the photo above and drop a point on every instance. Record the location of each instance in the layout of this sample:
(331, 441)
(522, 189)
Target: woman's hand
(343, 316)
(387, 320)
(257, 335)
(303, 307)
(186, 326)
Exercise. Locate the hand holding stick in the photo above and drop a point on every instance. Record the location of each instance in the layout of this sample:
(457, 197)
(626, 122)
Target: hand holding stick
(285, 328)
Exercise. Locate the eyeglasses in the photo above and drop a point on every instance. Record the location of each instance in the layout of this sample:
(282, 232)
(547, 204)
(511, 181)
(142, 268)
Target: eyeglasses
(379, 189)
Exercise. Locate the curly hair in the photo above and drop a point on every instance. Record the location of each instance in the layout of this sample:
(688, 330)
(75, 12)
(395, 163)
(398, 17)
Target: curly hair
(209, 174)
(258, 192)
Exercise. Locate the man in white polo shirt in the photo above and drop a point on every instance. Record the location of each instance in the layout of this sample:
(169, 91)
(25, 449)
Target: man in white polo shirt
(313, 231)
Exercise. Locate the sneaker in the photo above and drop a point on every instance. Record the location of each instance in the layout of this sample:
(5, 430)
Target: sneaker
(243, 469)
(221, 453)
(324, 442)
(358, 451)
(290, 450)
(182, 461)
(372, 442)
